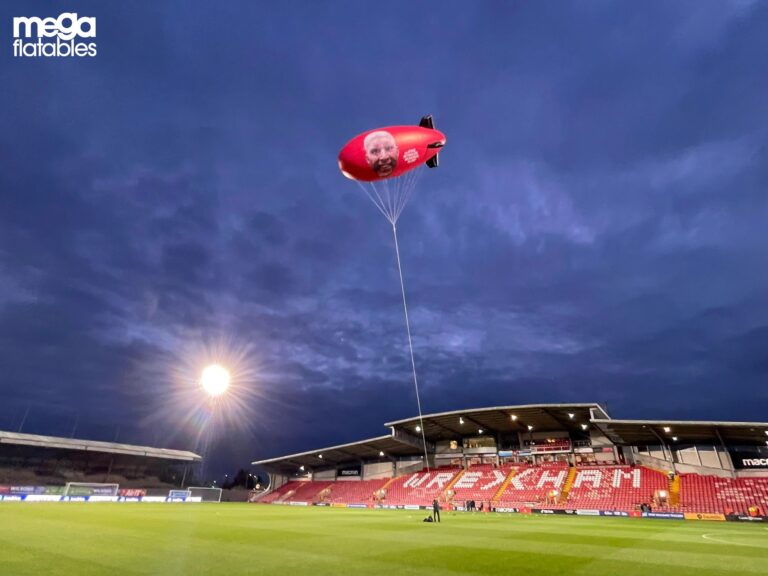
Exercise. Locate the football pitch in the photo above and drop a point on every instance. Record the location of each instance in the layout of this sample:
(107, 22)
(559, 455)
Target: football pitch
(237, 539)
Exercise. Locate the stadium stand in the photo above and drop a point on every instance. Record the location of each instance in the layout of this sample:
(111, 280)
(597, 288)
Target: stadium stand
(419, 488)
(280, 493)
(307, 491)
(299, 491)
(352, 492)
(479, 483)
(566, 456)
(621, 488)
(533, 485)
(711, 494)
(47, 461)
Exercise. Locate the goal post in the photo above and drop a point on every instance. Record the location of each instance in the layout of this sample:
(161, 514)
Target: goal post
(90, 489)
(205, 494)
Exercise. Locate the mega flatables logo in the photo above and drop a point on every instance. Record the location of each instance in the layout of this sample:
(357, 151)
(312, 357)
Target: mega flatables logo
(54, 37)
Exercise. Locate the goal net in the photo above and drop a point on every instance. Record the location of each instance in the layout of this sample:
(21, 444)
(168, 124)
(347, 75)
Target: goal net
(205, 494)
(90, 489)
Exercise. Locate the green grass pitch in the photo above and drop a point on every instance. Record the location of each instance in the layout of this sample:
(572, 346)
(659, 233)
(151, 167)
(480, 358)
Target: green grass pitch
(239, 539)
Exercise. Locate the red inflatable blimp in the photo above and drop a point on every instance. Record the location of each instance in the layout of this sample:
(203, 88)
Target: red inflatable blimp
(392, 151)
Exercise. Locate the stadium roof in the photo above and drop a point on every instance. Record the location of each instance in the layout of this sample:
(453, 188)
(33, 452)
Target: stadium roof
(405, 440)
(332, 456)
(53, 442)
(503, 419)
(653, 432)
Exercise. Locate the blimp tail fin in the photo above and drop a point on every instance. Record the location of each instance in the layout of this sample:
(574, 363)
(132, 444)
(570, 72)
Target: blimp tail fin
(427, 122)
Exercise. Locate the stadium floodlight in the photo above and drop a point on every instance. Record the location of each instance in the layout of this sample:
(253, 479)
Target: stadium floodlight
(513, 416)
(418, 428)
(766, 432)
(320, 456)
(480, 431)
(571, 415)
(461, 420)
(584, 426)
(215, 380)
(381, 453)
(530, 427)
(667, 429)
(301, 468)
(674, 438)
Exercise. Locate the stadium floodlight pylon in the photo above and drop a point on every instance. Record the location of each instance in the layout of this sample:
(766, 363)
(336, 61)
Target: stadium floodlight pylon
(91, 489)
(206, 494)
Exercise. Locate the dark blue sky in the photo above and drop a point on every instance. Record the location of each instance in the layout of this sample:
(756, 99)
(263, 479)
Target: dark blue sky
(596, 230)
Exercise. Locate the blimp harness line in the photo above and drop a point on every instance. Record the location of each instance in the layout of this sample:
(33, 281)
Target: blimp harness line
(386, 163)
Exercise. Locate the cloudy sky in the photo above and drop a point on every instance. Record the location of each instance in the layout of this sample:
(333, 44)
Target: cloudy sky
(596, 230)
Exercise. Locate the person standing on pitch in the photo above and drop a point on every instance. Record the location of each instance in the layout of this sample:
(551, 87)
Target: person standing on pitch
(436, 510)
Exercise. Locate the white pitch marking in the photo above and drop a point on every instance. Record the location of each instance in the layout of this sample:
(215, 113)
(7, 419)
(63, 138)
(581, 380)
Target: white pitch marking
(712, 538)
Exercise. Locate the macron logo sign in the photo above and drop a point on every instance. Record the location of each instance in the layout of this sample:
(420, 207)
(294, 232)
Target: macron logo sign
(755, 462)
(59, 37)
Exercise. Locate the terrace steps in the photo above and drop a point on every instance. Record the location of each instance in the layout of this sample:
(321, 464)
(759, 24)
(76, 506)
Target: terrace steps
(453, 481)
(674, 491)
(568, 485)
(504, 484)
(285, 496)
(388, 483)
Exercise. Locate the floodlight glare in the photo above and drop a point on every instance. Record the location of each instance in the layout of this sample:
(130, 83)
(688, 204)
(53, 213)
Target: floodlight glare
(584, 426)
(461, 420)
(667, 429)
(418, 428)
(480, 431)
(514, 417)
(381, 454)
(530, 427)
(571, 415)
(215, 380)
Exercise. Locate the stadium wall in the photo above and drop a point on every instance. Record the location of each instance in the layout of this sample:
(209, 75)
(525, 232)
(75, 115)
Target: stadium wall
(710, 457)
(646, 459)
(694, 459)
(277, 480)
(408, 466)
(757, 473)
(324, 475)
(703, 471)
(377, 470)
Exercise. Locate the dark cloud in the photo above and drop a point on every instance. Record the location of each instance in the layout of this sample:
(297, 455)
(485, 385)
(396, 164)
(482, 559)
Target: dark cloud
(595, 231)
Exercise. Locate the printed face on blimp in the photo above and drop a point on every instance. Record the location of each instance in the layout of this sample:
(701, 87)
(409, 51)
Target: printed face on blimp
(381, 152)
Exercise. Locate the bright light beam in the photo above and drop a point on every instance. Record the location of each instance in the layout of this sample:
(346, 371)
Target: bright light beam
(215, 380)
